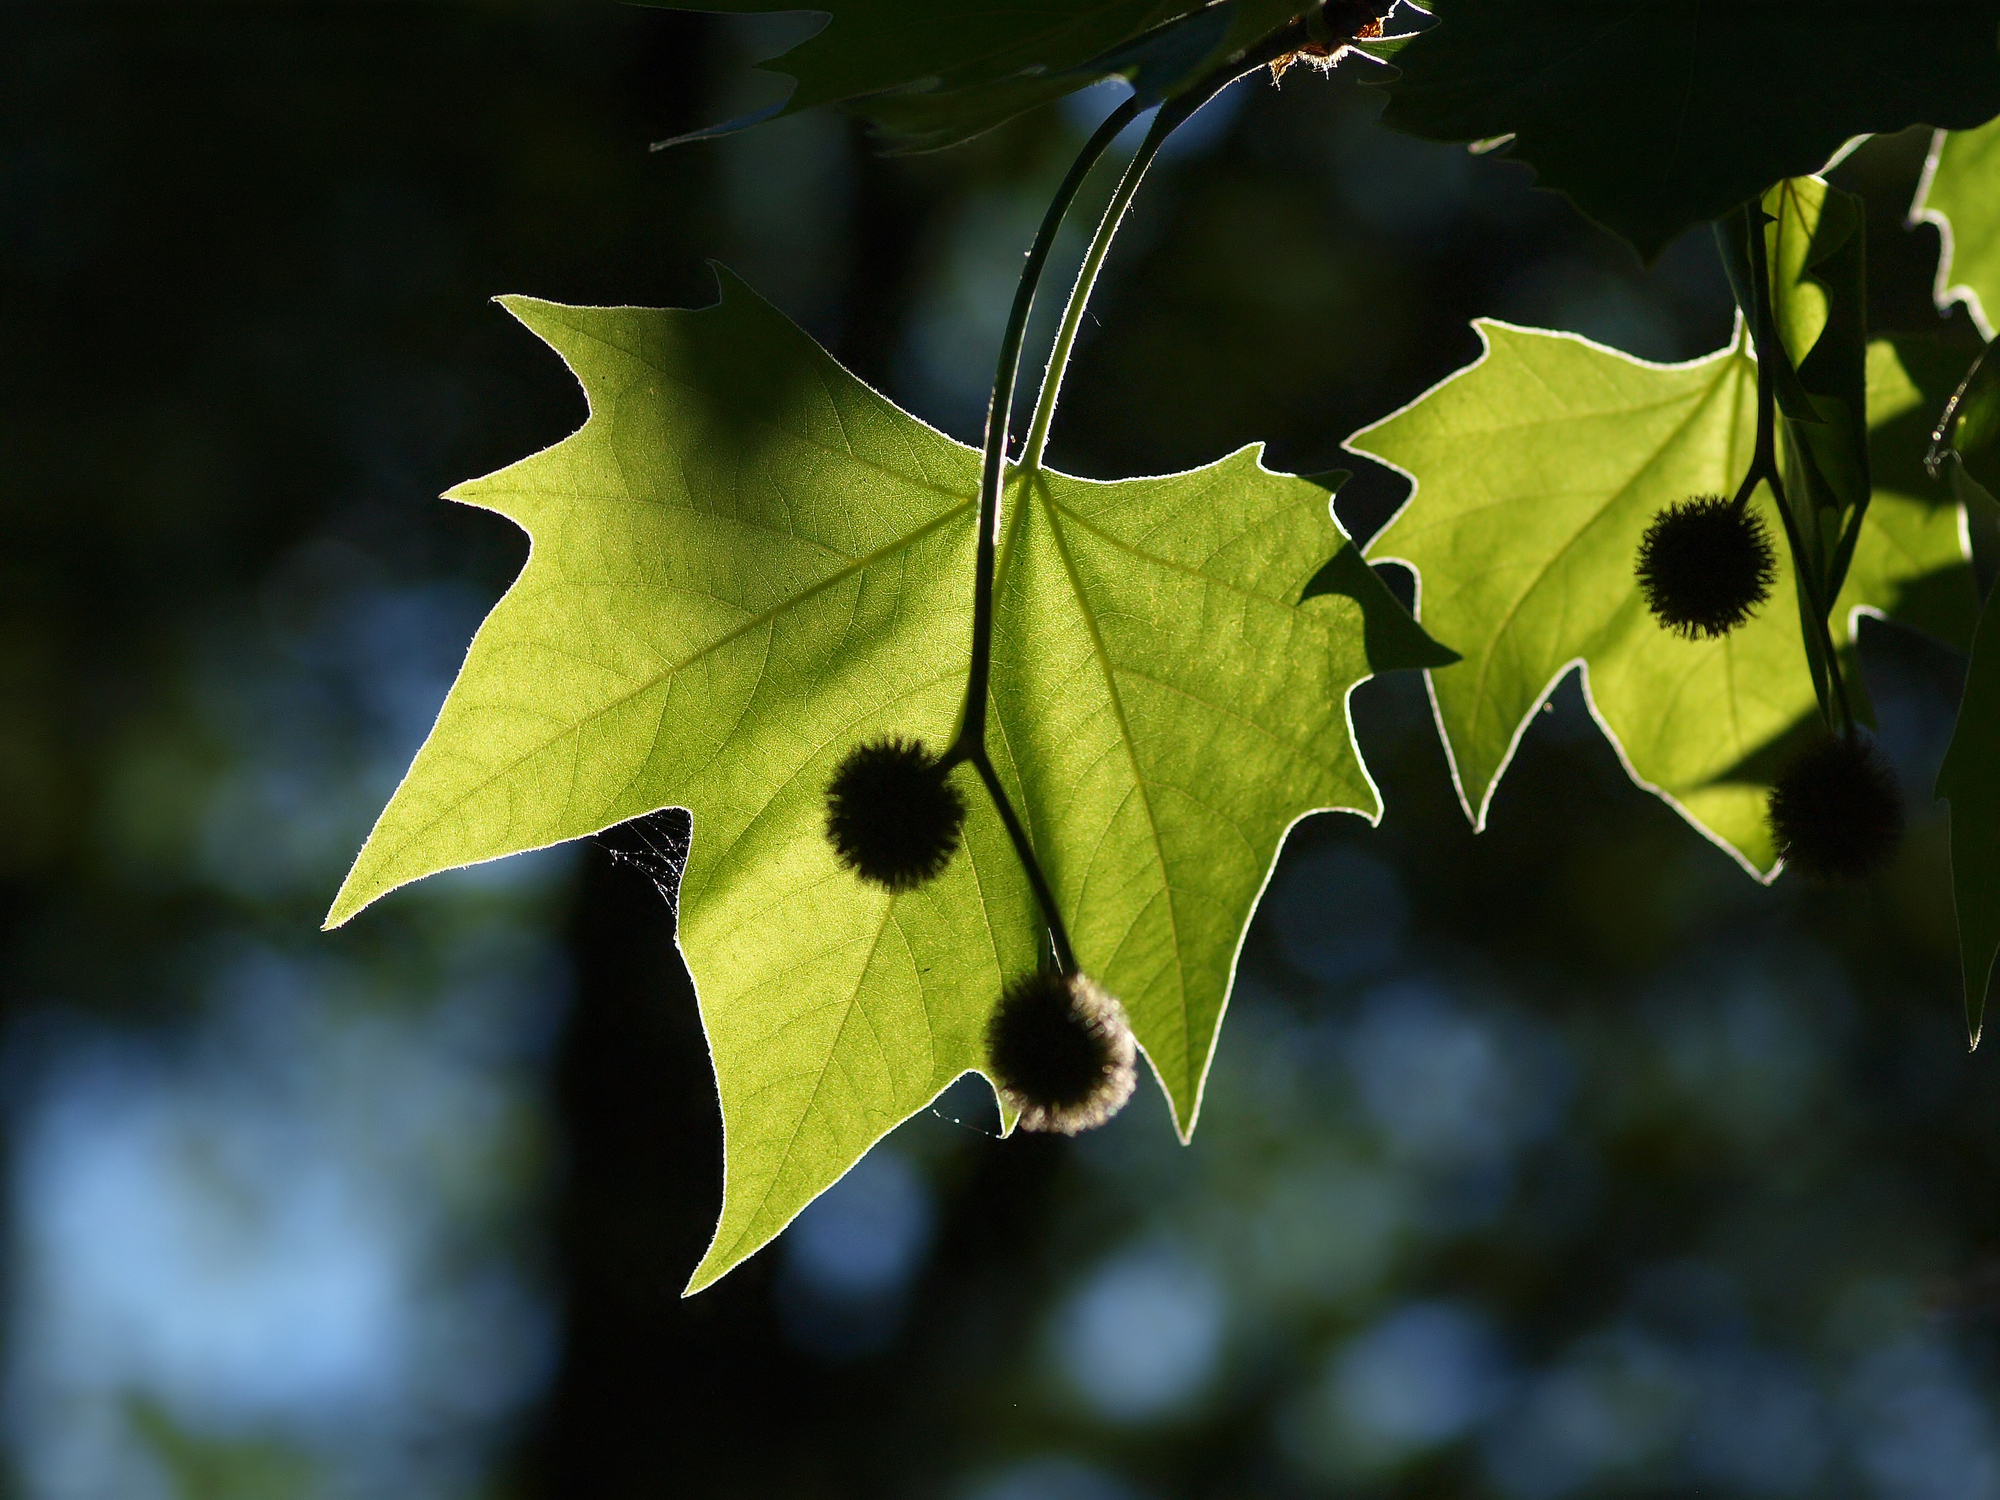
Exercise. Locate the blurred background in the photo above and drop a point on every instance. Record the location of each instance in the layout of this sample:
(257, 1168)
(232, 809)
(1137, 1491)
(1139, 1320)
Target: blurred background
(1562, 1161)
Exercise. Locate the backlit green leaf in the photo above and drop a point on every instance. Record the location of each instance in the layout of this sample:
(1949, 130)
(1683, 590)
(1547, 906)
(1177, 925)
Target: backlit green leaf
(1820, 309)
(1961, 194)
(1653, 116)
(745, 563)
(1537, 470)
(1816, 247)
(1906, 394)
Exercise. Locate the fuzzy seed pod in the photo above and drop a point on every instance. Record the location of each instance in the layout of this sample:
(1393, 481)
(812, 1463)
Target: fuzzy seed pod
(1704, 566)
(891, 815)
(1061, 1051)
(1836, 813)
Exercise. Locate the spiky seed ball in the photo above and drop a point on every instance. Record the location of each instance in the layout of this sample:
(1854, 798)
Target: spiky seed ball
(891, 815)
(1836, 813)
(1061, 1051)
(1705, 566)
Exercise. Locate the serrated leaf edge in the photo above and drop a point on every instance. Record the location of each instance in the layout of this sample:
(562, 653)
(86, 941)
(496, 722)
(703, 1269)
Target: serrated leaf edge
(1255, 451)
(1943, 293)
(727, 281)
(1739, 343)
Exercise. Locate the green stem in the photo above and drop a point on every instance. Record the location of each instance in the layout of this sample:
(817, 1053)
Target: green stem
(969, 744)
(1835, 708)
(971, 734)
(1086, 280)
(999, 416)
(1314, 25)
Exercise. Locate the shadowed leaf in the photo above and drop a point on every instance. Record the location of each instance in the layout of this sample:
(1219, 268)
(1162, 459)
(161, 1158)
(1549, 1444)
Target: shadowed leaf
(1653, 116)
(930, 73)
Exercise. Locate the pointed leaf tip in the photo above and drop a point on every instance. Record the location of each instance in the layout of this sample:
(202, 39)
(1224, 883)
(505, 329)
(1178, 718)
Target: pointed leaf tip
(1556, 454)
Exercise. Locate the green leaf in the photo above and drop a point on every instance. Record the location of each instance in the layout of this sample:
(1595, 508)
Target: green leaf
(1655, 115)
(1815, 244)
(1815, 249)
(1968, 429)
(1537, 469)
(745, 563)
(931, 73)
(1961, 195)
(1908, 386)
(1968, 781)
(1965, 446)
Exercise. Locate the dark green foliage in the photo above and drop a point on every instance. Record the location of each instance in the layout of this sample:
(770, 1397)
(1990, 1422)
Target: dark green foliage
(1705, 566)
(1061, 1051)
(1653, 116)
(891, 815)
(1836, 813)
(930, 73)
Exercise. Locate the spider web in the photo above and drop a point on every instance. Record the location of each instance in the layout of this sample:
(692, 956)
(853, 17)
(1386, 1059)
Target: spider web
(657, 847)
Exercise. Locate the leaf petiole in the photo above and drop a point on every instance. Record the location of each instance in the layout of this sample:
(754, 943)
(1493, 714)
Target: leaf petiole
(1086, 280)
(969, 743)
(971, 736)
(1835, 706)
